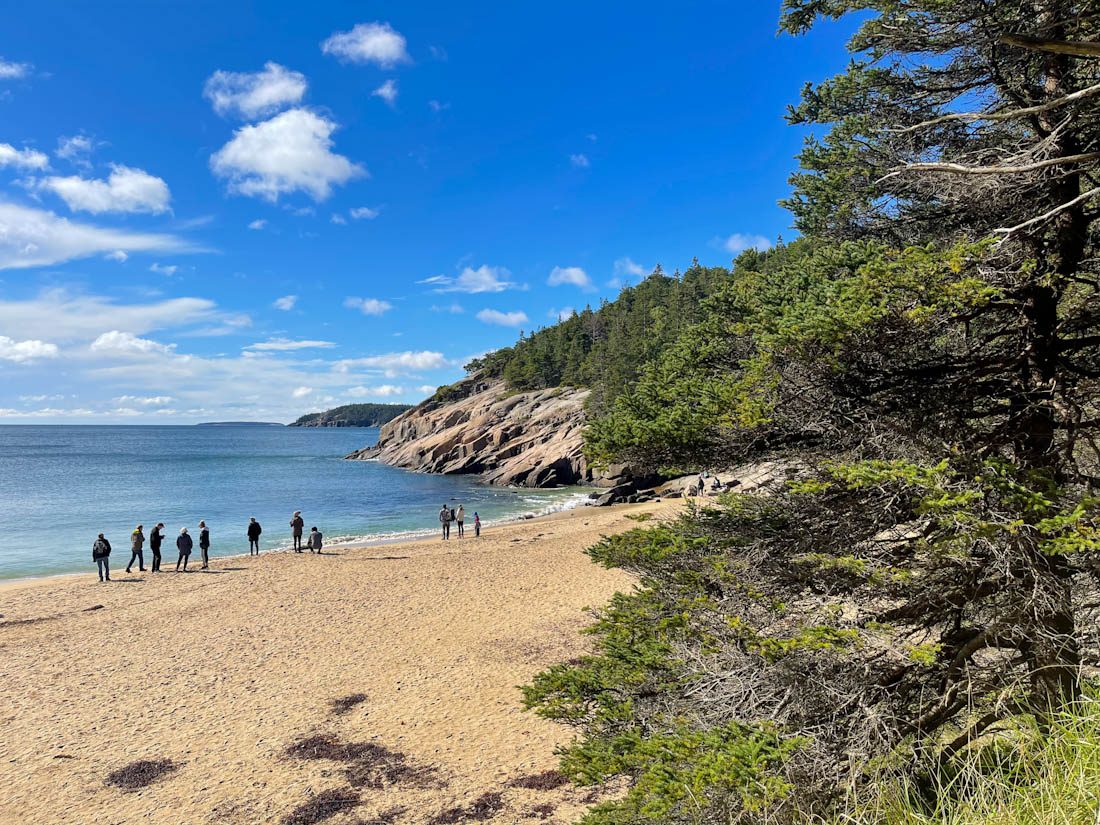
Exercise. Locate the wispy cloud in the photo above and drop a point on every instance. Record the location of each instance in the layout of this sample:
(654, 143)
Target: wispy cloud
(570, 275)
(259, 223)
(286, 303)
(387, 91)
(287, 345)
(504, 319)
(250, 95)
(580, 161)
(10, 70)
(364, 213)
(737, 243)
(167, 270)
(376, 43)
(22, 158)
(473, 281)
(368, 306)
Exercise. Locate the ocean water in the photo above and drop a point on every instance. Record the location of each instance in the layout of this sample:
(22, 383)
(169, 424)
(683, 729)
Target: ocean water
(61, 485)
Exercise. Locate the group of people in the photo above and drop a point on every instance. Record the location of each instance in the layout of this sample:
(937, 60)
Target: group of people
(447, 515)
(101, 548)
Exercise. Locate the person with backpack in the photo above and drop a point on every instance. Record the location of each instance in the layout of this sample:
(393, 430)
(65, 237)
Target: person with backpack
(314, 542)
(254, 530)
(184, 545)
(297, 524)
(204, 544)
(137, 541)
(477, 525)
(101, 549)
(460, 517)
(155, 539)
(445, 520)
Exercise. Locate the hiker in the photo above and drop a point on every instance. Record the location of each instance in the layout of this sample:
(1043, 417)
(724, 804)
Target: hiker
(184, 545)
(445, 520)
(204, 544)
(155, 539)
(477, 525)
(137, 541)
(101, 549)
(460, 517)
(314, 542)
(254, 530)
(296, 525)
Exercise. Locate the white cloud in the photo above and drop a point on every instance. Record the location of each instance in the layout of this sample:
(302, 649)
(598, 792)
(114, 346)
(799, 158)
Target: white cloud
(504, 319)
(337, 218)
(454, 309)
(35, 237)
(125, 190)
(561, 314)
(12, 71)
(285, 303)
(426, 389)
(40, 398)
(473, 281)
(368, 306)
(22, 158)
(301, 392)
(117, 255)
(394, 363)
(116, 342)
(259, 223)
(144, 400)
(436, 106)
(292, 152)
(383, 391)
(74, 148)
(369, 43)
(364, 213)
(167, 271)
(579, 160)
(22, 352)
(570, 275)
(592, 137)
(285, 345)
(62, 316)
(387, 91)
(625, 266)
(251, 95)
(739, 243)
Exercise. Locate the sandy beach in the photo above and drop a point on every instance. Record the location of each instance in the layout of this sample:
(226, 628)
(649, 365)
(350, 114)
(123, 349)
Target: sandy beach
(231, 676)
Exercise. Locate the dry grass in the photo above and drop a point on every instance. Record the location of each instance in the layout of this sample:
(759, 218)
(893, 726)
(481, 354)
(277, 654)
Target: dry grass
(484, 807)
(140, 774)
(323, 806)
(545, 781)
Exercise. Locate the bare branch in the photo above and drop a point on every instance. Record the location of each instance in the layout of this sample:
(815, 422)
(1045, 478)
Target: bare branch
(1077, 48)
(1056, 210)
(960, 169)
(1081, 94)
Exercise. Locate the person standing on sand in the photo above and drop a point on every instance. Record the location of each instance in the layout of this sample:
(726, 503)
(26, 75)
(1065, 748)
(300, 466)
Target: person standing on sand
(477, 525)
(314, 541)
(460, 517)
(445, 520)
(101, 549)
(184, 545)
(204, 544)
(297, 524)
(155, 538)
(254, 530)
(137, 541)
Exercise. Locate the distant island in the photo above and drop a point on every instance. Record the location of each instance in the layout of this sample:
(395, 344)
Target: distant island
(239, 424)
(352, 415)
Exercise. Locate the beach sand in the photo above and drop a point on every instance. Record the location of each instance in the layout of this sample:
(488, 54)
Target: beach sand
(221, 672)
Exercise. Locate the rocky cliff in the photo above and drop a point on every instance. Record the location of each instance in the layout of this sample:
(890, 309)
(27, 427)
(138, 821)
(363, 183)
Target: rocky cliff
(532, 439)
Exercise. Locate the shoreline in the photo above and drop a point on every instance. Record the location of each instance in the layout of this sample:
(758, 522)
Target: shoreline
(223, 672)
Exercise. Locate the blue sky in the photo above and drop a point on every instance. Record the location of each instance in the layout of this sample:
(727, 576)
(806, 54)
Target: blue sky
(215, 211)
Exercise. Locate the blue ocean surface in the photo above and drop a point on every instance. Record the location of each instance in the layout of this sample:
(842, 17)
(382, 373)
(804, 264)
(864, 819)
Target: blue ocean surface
(61, 485)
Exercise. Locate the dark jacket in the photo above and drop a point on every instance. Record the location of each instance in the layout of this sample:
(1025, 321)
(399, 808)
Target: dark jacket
(137, 540)
(297, 524)
(254, 530)
(155, 538)
(184, 544)
(204, 538)
(101, 549)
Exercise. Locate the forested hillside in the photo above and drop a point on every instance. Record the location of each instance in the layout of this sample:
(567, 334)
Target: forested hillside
(352, 415)
(904, 623)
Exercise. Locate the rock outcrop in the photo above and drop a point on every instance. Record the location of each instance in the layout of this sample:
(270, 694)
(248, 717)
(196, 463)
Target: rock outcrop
(531, 439)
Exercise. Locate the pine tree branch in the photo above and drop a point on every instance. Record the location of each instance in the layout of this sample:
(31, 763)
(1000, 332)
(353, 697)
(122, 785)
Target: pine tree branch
(1056, 210)
(1077, 48)
(1081, 94)
(959, 168)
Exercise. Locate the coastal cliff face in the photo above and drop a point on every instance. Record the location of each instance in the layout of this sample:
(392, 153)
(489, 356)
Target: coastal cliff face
(530, 439)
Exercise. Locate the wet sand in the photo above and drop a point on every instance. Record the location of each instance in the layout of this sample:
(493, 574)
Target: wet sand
(221, 671)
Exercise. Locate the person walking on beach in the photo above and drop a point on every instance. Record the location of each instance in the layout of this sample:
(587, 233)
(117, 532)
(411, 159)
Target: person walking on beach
(297, 524)
(137, 541)
(204, 544)
(460, 517)
(314, 542)
(155, 539)
(184, 545)
(254, 530)
(101, 549)
(445, 520)
(477, 525)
